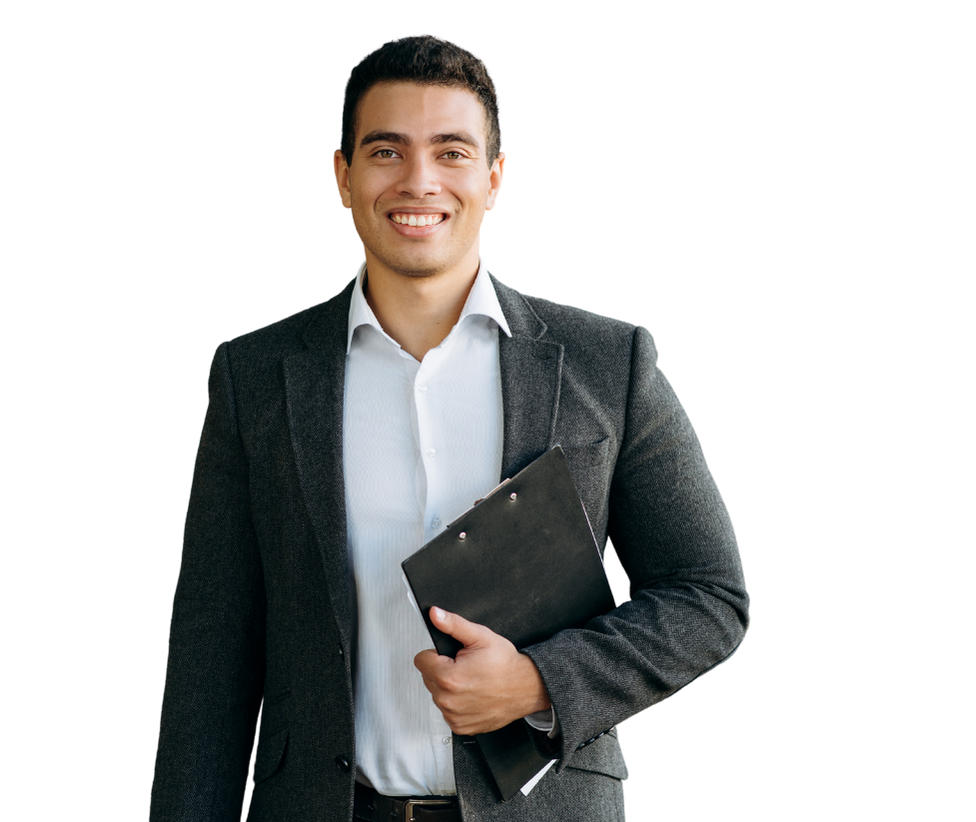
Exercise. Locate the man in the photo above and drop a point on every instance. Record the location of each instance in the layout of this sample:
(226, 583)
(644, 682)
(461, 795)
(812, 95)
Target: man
(341, 439)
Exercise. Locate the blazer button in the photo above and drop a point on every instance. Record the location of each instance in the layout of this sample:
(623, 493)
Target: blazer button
(342, 763)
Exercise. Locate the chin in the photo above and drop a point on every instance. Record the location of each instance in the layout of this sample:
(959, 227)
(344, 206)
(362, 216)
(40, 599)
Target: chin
(416, 269)
(417, 274)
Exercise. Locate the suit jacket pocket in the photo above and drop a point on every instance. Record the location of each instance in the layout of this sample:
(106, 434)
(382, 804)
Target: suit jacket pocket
(601, 756)
(586, 455)
(271, 753)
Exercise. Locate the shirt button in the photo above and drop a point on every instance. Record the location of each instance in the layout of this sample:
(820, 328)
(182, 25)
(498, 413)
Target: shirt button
(431, 452)
(421, 388)
(436, 523)
(446, 740)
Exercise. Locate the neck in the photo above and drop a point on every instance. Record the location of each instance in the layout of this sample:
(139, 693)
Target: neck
(417, 312)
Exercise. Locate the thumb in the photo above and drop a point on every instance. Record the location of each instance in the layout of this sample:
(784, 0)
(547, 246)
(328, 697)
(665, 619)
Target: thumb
(466, 632)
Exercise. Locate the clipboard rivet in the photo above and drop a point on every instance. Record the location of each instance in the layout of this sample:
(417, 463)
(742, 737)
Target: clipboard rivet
(512, 496)
(462, 535)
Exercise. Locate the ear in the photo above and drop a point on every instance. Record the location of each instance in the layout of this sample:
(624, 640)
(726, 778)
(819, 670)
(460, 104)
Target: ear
(340, 184)
(495, 180)
(340, 176)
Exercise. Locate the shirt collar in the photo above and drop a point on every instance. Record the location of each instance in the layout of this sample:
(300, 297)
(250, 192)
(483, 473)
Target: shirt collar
(482, 300)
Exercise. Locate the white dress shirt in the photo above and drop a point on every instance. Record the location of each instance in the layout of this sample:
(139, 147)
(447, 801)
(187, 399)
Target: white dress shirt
(422, 441)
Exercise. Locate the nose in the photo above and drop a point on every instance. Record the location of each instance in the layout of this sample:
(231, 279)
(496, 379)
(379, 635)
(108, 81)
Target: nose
(418, 177)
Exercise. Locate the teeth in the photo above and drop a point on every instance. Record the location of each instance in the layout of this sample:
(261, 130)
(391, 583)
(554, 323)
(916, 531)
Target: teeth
(417, 219)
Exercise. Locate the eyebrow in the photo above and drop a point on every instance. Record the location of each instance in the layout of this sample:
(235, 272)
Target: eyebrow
(403, 140)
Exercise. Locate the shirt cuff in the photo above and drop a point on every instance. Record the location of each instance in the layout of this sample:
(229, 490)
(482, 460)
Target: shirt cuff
(544, 721)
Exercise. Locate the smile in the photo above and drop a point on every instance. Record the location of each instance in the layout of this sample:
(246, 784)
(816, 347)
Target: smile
(417, 219)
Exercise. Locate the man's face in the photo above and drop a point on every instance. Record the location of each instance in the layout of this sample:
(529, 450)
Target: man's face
(419, 183)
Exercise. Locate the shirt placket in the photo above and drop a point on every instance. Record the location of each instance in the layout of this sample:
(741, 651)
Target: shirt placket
(426, 384)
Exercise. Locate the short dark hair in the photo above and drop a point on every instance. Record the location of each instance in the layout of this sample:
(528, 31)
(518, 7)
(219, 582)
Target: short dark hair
(428, 61)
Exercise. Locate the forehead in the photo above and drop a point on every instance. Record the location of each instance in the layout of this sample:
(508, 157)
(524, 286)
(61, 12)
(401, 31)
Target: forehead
(420, 111)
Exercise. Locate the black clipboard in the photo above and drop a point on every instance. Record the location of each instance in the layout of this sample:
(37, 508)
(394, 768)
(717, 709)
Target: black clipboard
(523, 562)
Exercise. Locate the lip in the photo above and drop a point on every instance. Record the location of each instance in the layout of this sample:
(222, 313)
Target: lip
(417, 231)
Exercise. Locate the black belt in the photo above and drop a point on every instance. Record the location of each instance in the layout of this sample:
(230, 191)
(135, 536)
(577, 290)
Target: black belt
(371, 806)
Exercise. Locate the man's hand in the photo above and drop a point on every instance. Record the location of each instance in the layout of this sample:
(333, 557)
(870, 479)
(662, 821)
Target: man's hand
(488, 685)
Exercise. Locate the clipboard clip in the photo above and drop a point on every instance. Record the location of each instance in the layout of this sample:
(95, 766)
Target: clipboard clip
(478, 502)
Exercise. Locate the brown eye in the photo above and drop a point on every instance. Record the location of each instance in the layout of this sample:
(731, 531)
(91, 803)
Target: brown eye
(452, 155)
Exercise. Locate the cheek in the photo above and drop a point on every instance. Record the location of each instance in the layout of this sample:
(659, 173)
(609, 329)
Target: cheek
(366, 190)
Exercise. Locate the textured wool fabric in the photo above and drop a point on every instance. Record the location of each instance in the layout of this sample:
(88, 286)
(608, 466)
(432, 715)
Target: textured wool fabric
(263, 605)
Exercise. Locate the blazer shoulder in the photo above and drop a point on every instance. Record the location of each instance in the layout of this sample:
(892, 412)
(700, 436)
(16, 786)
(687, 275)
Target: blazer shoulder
(564, 320)
(293, 334)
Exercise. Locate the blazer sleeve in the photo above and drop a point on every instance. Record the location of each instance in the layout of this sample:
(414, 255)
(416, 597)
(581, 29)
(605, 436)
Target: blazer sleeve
(688, 609)
(215, 672)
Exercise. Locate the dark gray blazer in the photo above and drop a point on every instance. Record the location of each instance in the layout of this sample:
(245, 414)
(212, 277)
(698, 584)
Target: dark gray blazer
(262, 607)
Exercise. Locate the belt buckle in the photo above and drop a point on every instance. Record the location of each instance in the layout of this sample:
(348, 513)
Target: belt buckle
(410, 804)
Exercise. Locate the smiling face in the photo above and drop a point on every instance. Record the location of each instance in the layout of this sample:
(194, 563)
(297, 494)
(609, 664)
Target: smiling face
(419, 183)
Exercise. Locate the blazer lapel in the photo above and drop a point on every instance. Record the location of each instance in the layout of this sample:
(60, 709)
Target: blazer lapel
(531, 369)
(314, 383)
